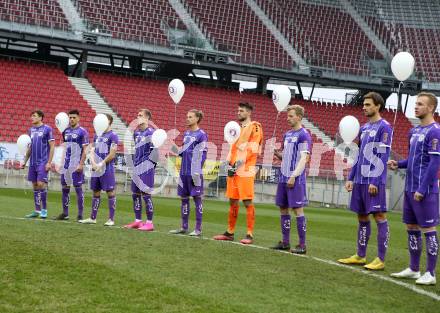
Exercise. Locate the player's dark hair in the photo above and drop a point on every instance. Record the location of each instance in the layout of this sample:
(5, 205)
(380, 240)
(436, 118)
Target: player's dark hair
(110, 118)
(147, 113)
(198, 114)
(74, 111)
(246, 105)
(377, 99)
(38, 112)
(432, 99)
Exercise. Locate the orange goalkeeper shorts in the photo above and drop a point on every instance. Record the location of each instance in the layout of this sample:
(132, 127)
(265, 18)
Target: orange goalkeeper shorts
(241, 188)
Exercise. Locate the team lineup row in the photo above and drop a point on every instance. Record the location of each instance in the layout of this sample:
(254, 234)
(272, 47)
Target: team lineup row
(366, 180)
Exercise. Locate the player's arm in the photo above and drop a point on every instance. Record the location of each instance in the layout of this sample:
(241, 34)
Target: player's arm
(51, 141)
(383, 155)
(394, 165)
(51, 153)
(26, 156)
(112, 154)
(304, 148)
(279, 153)
(352, 174)
(429, 176)
(92, 156)
(85, 147)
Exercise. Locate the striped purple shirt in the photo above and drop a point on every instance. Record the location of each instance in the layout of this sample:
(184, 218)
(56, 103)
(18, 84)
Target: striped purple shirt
(75, 139)
(40, 137)
(423, 142)
(193, 152)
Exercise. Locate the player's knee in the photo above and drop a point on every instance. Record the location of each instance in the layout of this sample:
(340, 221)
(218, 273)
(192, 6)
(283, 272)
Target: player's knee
(380, 217)
(111, 193)
(363, 217)
(298, 211)
(96, 193)
(428, 229)
(247, 203)
(412, 227)
(284, 211)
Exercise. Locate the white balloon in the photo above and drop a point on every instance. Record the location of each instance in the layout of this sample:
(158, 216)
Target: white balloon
(23, 143)
(100, 123)
(231, 132)
(402, 65)
(176, 89)
(62, 121)
(349, 128)
(281, 96)
(158, 138)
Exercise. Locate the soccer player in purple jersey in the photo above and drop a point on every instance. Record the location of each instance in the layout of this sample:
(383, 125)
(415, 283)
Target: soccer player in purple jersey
(193, 154)
(291, 190)
(421, 201)
(76, 140)
(102, 158)
(367, 181)
(144, 163)
(40, 152)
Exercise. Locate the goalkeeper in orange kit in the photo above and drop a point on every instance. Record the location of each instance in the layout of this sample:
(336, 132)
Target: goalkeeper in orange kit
(242, 159)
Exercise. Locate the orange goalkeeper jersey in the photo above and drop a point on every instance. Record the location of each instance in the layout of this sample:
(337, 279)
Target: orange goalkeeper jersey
(248, 146)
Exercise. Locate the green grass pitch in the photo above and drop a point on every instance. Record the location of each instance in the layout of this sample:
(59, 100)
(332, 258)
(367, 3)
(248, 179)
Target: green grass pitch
(48, 266)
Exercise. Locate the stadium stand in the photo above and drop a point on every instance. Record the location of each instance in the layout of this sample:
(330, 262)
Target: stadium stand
(407, 25)
(325, 35)
(327, 116)
(235, 28)
(127, 94)
(134, 20)
(27, 86)
(45, 13)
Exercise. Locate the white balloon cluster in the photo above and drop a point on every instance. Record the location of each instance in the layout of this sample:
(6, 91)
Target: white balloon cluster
(402, 65)
(23, 143)
(100, 124)
(231, 131)
(62, 121)
(349, 128)
(281, 97)
(176, 89)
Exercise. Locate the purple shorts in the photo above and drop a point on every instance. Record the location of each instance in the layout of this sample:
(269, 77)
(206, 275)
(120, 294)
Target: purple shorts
(295, 197)
(143, 182)
(37, 173)
(72, 178)
(424, 213)
(106, 182)
(364, 203)
(187, 188)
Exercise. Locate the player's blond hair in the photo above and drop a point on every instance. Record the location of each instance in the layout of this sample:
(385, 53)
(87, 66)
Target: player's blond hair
(432, 99)
(299, 110)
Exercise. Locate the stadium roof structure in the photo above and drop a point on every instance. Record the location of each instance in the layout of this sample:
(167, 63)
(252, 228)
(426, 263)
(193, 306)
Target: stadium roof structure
(181, 43)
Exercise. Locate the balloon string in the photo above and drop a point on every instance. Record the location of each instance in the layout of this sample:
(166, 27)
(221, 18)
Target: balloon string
(275, 127)
(175, 120)
(395, 114)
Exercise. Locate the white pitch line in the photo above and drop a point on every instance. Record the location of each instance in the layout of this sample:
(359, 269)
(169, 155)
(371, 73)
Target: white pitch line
(408, 286)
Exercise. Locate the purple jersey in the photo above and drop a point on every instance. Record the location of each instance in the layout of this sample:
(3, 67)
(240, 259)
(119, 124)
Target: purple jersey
(423, 142)
(103, 145)
(374, 151)
(40, 137)
(143, 146)
(193, 152)
(75, 139)
(294, 143)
